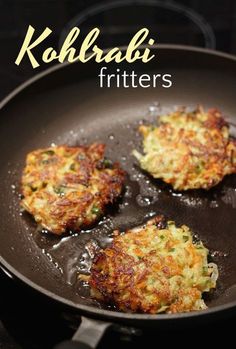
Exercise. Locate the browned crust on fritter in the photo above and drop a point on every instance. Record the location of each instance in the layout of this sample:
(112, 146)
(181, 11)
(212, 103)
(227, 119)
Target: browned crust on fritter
(144, 271)
(189, 150)
(68, 188)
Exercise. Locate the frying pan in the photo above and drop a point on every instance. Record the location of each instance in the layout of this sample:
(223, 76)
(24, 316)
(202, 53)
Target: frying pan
(65, 105)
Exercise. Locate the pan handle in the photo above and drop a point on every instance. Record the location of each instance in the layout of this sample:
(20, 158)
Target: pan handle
(87, 336)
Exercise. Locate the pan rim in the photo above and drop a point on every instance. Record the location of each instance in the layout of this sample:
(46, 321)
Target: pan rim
(90, 310)
(110, 314)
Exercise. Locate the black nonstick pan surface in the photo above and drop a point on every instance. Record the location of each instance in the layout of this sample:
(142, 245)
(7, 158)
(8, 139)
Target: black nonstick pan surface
(65, 105)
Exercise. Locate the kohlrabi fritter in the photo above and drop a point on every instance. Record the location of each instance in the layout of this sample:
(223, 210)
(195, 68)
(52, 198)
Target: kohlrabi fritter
(189, 150)
(156, 268)
(68, 188)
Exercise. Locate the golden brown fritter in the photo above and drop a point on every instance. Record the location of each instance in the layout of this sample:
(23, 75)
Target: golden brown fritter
(189, 150)
(69, 187)
(153, 269)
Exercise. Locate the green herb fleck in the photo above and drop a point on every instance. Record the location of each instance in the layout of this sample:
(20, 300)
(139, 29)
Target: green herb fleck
(199, 247)
(72, 167)
(95, 210)
(172, 249)
(185, 238)
(49, 152)
(198, 169)
(107, 163)
(59, 191)
(162, 237)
